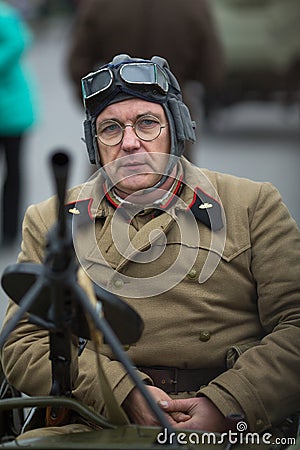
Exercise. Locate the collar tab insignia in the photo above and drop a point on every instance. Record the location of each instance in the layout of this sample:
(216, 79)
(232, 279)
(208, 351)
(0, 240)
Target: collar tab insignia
(74, 211)
(205, 205)
(207, 210)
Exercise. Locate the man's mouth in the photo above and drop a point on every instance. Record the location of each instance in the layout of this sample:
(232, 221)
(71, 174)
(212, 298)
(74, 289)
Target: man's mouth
(136, 165)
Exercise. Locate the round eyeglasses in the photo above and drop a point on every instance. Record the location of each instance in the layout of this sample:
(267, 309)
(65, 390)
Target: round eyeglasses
(147, 128)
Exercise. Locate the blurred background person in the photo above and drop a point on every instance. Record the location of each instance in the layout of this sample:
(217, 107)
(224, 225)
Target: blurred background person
(184, 32)
(17, 114)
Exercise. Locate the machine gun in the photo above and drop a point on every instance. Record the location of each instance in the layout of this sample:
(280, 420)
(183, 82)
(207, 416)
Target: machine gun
(52, 297)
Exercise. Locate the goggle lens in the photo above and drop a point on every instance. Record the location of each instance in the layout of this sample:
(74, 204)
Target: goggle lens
(96, 82)
(144, 73)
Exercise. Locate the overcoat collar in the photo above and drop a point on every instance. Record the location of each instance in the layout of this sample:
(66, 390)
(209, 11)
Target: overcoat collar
(198, 195)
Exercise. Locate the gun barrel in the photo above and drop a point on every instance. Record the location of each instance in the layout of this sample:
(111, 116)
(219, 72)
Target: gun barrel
(60, 164)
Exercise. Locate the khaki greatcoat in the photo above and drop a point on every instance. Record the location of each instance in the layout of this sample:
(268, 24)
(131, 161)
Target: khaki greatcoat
(249, 292)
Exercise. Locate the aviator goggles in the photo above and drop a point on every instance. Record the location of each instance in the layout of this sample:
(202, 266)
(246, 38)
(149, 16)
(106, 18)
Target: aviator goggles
(145, 79)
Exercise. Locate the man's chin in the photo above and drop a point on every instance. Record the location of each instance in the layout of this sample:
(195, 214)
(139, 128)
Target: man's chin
(134, 185)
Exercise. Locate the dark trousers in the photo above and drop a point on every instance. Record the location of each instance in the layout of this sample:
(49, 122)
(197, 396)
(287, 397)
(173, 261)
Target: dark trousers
(10, 146)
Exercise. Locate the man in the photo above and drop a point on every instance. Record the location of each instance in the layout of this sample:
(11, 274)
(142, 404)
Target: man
(209, 261)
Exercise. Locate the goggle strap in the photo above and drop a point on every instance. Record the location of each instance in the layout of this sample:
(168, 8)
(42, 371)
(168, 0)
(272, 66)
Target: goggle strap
(122, 60)
(104, 103)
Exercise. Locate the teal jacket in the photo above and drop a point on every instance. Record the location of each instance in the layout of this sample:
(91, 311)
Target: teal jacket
(17, 108)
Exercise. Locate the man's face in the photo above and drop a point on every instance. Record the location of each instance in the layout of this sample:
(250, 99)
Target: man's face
(134, 164)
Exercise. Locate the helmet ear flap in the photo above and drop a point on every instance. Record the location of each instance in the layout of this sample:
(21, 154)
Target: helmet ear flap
(184, 125)
(189, 125)
(89, 140)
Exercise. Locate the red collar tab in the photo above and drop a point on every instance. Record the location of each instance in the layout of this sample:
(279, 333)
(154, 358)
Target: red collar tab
(110, 199)
(207, 210)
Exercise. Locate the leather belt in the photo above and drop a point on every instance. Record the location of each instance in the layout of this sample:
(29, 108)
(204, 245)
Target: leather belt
(173, 380)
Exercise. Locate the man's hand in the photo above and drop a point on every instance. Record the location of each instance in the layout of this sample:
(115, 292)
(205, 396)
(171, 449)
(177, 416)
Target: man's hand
(204, 415)
(140, 413)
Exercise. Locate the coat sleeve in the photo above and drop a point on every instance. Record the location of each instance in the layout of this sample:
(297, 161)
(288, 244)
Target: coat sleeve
(27, 346)
(264, 382)
(25, 355)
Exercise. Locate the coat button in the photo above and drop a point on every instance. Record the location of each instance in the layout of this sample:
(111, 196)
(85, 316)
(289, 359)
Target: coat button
(204, 336)
(192, 273)
(118, 283)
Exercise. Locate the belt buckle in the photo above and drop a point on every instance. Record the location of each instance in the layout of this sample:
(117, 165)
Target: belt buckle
(174, 381)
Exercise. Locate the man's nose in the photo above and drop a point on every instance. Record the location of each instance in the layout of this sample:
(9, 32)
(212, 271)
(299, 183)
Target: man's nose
(130, 140)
